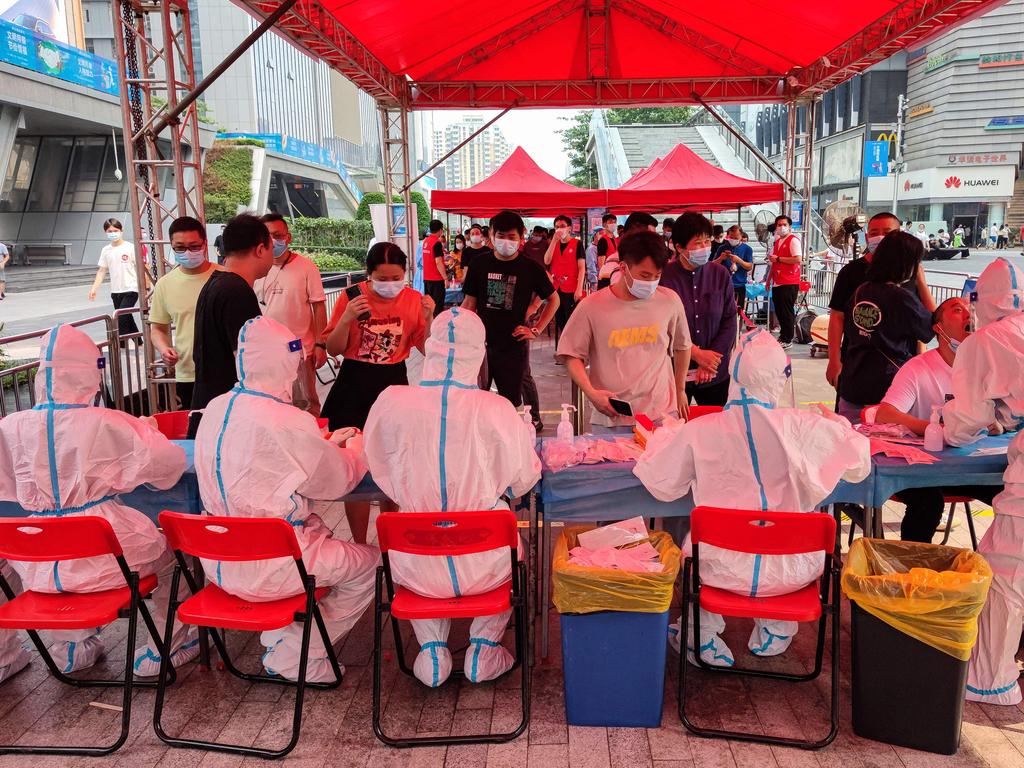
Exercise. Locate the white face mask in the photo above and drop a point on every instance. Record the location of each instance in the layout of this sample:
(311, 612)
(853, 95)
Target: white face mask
(734, 241)
(642, 289)
(114, 235)
(387, 289)
(506, 248)
(699, 257)
(476, 239)
(781, 231)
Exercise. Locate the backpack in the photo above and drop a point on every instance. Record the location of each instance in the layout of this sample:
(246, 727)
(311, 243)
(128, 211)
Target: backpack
(803, 327)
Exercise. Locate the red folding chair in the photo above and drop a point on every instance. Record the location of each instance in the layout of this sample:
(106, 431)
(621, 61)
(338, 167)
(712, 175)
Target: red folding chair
(173, 424)
(234, 539)
(447, 534)
(763, 533)
(57, 539)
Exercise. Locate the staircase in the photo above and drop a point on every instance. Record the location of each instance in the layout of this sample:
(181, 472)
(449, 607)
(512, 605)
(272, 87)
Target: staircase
(1015, 210)
(21, 279)
(643, 144)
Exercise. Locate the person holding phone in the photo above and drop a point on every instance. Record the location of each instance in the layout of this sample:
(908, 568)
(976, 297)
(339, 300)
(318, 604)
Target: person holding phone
(373, 328)
(631, 328)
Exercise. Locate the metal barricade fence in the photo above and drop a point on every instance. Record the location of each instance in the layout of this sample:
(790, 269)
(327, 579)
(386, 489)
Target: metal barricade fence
(822, 277)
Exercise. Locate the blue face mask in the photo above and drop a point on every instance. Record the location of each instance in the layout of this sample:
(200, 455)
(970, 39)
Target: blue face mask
(114, 235)
(699, 257)
(190, 259)
(642, 289)
(280, 246)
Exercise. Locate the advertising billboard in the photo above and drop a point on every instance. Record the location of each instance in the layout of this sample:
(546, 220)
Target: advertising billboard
(47, 18)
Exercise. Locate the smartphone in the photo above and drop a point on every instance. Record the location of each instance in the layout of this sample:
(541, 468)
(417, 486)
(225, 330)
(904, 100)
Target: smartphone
(354, 292)
(620, 406)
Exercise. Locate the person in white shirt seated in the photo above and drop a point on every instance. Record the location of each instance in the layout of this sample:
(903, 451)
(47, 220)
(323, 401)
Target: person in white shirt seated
(920, 385)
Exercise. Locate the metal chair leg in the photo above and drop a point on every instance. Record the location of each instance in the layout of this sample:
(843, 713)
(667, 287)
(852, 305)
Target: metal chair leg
(949, 523)
(970, 526)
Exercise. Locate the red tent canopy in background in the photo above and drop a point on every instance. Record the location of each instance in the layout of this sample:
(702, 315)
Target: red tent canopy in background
(683, 181)
(599, 53)
(520, 185)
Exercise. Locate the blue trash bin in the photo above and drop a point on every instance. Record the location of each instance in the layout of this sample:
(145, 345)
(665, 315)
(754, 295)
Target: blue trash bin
(614, 666)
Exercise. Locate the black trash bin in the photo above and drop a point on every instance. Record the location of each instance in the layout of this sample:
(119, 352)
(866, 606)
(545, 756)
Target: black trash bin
(914, 621)
(904, 692)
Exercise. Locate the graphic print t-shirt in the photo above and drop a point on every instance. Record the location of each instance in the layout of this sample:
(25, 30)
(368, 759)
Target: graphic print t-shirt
(503, 291)
(394, 327)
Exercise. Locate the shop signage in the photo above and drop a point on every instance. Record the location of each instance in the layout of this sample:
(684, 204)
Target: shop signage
(876, 158)
(916, 55)
(988, 158)
(963, 184)
(24, 48)
(920, 109)
(1008, 59)
(1013, 122)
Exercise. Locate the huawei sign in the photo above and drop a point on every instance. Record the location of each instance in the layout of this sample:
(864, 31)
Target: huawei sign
(953, 182)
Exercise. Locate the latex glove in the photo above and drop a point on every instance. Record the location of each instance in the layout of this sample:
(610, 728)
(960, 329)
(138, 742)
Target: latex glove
(342, 436)
(150, 421)
(831, 415)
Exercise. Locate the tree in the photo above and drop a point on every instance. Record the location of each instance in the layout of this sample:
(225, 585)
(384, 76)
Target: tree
(574, 142)
(650, 115)
(416, 198)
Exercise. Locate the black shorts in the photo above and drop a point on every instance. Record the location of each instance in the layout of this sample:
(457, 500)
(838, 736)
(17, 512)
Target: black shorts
(357, 388)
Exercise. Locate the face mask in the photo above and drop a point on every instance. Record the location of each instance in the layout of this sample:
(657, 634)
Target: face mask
(506, 248)
(733, 242)
(699, 257)
(611, 229)
(642, 289)
(781, 231)
(458, 246)
(387, 289)
(563, 234)
(476, 239)
(280, 246)
(190, 259)
(954, 345)
(873, 243)
(113, 235)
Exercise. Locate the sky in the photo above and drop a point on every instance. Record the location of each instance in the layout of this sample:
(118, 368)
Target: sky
(532, 129)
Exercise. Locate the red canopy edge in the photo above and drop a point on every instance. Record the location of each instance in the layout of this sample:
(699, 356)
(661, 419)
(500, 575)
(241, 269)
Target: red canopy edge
(519, 185)
(585, 53)
(683, 181)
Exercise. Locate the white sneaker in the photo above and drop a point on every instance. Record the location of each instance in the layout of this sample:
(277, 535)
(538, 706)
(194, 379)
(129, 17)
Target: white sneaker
(8, 671)
(147, 660)
(764, 642)
(714, 652)
(71, 656)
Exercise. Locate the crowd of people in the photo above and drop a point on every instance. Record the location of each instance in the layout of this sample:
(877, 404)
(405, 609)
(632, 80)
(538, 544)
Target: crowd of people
(646, 322)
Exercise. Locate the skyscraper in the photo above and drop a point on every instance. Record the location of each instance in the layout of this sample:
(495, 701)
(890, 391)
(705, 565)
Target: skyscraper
(475, 161)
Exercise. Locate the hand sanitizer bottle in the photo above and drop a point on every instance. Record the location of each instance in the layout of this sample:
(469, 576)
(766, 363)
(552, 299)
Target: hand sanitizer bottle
(933, 434)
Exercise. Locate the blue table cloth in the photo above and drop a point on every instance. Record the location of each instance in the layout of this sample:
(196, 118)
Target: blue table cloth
(453, 296)
(184, 495)
(955, 467)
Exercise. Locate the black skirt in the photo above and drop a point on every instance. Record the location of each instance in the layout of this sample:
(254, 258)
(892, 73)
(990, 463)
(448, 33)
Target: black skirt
(356, 390)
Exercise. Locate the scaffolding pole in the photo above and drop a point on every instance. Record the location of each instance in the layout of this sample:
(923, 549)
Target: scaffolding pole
(394, 124)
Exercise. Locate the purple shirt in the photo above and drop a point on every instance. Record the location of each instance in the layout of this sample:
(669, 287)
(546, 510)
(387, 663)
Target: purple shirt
(710, 304)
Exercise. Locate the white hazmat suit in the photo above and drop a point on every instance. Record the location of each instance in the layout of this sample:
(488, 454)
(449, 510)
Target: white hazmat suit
(67, 457)
(468, 448)
(988, 389)
(259, 456)
(758, 457)
(13, 656)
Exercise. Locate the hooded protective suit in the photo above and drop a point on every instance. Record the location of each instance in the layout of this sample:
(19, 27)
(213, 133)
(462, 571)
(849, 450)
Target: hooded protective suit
(259, 456)
(66, 457)
(988, 389)
(754, 456)
(469, 447)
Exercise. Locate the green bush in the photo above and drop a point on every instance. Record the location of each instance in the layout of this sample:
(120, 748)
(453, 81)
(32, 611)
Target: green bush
(227, 181)
(423, 213)
(330, 233)
(328, 261)
(243, 142)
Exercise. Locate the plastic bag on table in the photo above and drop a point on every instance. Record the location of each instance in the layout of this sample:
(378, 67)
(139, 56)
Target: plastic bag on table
(930, 592)
(582, 589)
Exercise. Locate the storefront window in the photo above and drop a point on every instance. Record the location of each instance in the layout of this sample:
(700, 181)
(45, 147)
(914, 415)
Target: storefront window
(51, 173)
(111, 194)
(84, 173)
(14, 192)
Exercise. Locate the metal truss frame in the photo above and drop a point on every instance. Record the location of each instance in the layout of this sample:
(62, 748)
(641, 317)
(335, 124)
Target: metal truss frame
(799, 158)
(394, 124)
(156, 71)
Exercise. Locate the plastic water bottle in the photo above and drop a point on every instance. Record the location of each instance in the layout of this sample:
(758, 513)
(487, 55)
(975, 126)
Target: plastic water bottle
(528, 421)
(933, 440)
(565, 432)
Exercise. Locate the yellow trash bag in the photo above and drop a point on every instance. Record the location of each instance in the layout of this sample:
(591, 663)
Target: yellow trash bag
(930, 592)
(582, 589)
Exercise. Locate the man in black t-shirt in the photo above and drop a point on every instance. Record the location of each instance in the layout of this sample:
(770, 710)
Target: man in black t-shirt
(226, 302)
(475, 248)
(500, 288)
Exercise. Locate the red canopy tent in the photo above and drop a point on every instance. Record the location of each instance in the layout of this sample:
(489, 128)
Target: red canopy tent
(521, 185)
(587, 53)
(683, 181)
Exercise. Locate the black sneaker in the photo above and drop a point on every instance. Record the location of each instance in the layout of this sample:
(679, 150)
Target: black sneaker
(539, 426)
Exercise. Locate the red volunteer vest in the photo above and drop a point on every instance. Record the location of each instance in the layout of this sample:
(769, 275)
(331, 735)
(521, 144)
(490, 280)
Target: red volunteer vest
(613, 243)
(565, 267)
(429, 264)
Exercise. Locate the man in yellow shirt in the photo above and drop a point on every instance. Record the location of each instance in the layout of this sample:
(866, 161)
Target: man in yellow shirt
(174, 302)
